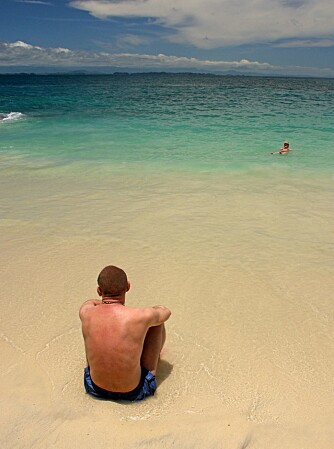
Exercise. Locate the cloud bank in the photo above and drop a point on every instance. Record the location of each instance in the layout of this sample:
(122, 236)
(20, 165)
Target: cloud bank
(216, 23)
(23, 54)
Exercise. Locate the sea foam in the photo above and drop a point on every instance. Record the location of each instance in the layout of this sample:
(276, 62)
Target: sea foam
(11, 116)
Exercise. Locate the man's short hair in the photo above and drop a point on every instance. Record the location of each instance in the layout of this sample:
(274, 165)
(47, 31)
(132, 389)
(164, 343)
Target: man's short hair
(112, 281)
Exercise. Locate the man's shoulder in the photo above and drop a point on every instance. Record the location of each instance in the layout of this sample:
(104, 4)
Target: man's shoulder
(142, 314)
(88, 306)
(139, 311)
(152, 316)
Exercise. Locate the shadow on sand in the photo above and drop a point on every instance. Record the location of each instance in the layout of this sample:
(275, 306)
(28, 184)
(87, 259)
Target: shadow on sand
(163, 371)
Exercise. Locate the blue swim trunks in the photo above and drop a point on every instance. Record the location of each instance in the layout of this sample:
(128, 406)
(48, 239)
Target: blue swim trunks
(146, 387)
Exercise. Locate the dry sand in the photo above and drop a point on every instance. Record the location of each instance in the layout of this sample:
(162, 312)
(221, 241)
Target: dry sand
(249, 278)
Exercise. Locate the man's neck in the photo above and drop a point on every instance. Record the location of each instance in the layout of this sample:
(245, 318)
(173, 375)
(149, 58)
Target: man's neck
(113, 300)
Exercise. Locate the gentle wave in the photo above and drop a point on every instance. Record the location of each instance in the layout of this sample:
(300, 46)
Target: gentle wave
(11, 116)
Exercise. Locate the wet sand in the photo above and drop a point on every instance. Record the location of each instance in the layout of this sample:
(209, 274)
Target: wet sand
(247, 271)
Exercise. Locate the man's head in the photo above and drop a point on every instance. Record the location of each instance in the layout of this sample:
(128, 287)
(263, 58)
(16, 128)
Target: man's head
(286, 144)
(112, 281)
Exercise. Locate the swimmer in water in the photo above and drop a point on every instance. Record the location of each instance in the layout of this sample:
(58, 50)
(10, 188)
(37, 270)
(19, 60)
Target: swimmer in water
(283, 150)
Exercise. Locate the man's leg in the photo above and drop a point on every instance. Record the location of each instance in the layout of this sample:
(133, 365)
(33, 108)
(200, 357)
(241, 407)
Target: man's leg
(154, 341)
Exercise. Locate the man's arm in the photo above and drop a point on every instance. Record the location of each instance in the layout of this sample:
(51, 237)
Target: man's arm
(87, 305)
(158, 315)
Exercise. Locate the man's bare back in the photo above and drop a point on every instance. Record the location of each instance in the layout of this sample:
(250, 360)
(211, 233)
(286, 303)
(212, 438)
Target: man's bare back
(120, 341)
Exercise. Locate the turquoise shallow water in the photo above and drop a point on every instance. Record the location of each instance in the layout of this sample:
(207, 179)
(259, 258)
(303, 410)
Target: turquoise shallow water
(168, 121)
(176, 162)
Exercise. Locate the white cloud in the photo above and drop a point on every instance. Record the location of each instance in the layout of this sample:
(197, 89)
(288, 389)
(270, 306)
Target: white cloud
(22, 54)
(215, 23)
(21, 45)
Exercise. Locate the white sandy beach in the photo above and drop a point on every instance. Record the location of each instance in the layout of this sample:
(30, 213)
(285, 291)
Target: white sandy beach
(247, 273)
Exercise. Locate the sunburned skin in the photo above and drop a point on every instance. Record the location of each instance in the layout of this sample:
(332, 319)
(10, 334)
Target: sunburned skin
(119, 340)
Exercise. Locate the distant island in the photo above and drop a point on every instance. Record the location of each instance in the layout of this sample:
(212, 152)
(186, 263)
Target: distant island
(50, 71)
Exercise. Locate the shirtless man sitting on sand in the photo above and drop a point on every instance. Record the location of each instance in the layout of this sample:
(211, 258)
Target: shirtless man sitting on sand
(123, 344)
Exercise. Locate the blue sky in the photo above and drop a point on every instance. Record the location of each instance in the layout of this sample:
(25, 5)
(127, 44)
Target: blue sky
(294, 37)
